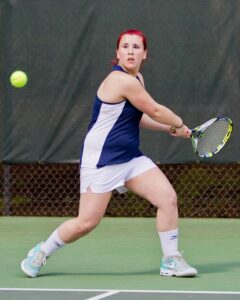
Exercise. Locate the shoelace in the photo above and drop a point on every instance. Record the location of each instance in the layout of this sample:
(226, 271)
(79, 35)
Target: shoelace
(180, 259)
(40, 259)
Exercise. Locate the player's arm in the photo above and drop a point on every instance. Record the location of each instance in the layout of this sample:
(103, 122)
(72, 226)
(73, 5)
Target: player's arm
(132, 90)
(149, 123)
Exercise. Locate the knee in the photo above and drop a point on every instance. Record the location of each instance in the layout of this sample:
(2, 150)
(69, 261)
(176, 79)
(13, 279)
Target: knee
(172, 198)
(168, 200)
(84, 227)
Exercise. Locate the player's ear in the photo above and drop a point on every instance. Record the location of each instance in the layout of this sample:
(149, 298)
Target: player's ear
(117, 54)
(145, 55)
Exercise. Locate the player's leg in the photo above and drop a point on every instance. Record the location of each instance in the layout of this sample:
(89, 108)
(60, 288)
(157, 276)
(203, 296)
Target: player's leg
(155, 187)
(91, 210)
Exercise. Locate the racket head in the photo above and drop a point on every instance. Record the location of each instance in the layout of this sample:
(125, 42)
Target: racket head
(210, 137)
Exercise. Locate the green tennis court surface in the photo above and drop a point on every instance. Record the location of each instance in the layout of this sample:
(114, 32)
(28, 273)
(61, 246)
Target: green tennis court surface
(120, 260)
(77, 294)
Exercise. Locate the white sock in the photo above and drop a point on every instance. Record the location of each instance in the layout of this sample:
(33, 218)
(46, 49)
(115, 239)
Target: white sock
(169, 242)
(52, 244)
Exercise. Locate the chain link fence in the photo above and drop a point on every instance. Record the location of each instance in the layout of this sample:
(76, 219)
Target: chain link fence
(204, 190)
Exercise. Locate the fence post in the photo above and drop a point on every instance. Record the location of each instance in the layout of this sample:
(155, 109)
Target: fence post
(6, 190)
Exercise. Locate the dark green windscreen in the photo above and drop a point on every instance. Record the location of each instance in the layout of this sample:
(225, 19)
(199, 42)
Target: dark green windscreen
(66, 48)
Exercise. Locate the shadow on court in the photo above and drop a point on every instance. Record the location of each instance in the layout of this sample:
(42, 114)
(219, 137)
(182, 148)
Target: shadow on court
(218, 267)
(79, 274)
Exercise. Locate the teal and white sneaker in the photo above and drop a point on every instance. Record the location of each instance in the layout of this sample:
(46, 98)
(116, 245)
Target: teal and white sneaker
(33, 263)
(176, 266)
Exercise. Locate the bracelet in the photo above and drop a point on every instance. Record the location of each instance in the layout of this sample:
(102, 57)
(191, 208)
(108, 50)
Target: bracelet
(179, 126)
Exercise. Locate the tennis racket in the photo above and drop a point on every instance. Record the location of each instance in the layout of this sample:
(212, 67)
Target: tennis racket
(210, 137)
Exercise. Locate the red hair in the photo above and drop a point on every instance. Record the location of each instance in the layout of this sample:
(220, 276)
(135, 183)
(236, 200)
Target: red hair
(131, 32)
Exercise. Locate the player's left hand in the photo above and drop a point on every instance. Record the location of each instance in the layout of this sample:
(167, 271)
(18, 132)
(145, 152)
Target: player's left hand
(183, 132)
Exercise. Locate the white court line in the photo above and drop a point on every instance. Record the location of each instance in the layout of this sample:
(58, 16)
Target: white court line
(102, 296)
(121, 291)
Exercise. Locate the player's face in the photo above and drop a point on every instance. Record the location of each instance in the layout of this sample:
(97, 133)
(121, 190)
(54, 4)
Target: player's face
(131, 52)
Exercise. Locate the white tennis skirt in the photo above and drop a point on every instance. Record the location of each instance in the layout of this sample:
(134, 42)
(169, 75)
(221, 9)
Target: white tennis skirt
(112, 177)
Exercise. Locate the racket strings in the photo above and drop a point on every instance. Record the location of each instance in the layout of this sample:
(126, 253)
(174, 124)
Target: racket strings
(213, 138)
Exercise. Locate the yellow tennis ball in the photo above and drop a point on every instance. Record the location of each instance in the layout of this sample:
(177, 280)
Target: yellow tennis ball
(18, 79)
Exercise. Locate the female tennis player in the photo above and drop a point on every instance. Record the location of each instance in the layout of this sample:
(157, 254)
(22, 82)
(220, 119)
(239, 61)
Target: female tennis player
(111, 159)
